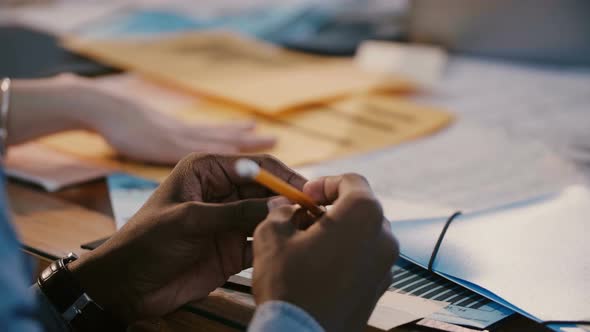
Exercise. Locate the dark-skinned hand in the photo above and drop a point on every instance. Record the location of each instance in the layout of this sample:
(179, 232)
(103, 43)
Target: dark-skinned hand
(336, 268)
(186, 240)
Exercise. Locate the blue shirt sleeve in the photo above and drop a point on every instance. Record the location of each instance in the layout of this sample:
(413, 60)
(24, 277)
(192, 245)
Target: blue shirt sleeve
(282, 316)
(47, 315)
(17, 303)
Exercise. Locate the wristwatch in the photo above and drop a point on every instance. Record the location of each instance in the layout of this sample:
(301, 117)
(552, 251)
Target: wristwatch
(71, 301)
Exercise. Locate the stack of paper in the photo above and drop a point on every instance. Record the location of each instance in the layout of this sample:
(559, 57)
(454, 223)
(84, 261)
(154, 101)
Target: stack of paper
(51, 170)
(467, 167)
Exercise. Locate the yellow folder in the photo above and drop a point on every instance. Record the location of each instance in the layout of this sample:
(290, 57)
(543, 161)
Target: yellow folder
(234, 69)
(350, 126)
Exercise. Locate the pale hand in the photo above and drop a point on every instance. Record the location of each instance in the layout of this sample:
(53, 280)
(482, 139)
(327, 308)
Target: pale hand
(130, 125)
(140, 133)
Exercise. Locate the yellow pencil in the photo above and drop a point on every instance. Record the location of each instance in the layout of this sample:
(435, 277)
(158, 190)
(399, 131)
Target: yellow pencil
(249, 169)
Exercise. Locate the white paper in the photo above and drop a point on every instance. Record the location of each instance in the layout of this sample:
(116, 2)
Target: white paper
(532, 255)
(535, 256)
(399, 209)
(550, 104)
(466, 167)
(395, 309)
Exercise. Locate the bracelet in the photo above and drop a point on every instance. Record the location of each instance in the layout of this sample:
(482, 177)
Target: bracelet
(4, 109)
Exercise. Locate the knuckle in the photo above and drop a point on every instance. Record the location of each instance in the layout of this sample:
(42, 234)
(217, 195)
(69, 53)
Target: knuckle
(183, 164)
(198, 162)
(366, 204)
(206, 158)
(270, 161)
(187, 163)
(269, 157)
(200, 157)
(192, 157)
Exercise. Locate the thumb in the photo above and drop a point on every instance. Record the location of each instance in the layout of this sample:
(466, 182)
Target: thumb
(278, 224)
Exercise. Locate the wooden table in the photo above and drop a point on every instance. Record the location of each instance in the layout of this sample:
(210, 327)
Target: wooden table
(51, 225)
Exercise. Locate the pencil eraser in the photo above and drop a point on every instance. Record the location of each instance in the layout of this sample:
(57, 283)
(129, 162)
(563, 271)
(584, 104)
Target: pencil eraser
(247, 168)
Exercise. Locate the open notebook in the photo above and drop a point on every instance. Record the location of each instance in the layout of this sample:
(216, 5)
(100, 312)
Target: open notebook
(529, 256)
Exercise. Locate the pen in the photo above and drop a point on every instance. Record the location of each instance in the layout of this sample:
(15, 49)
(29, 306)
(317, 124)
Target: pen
(249, 169)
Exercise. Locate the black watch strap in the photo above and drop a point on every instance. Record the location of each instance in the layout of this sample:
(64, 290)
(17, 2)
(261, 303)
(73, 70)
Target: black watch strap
(71, 301)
